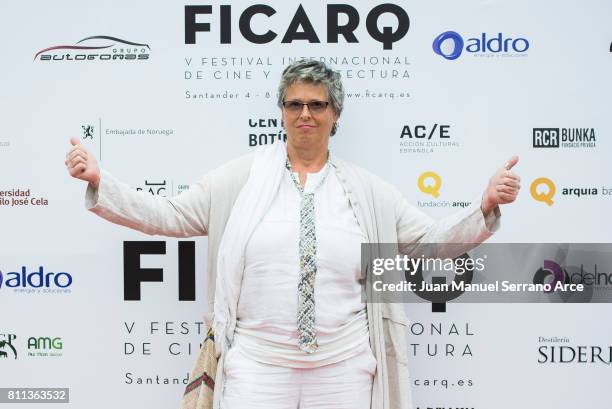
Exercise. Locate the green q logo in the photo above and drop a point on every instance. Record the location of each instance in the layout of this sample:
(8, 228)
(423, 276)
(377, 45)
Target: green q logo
(429, 188)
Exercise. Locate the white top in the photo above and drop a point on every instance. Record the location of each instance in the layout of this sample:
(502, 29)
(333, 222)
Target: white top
(266, 327)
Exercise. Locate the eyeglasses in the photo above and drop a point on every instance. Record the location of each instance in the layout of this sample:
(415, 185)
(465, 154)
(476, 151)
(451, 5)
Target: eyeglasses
(315, 107)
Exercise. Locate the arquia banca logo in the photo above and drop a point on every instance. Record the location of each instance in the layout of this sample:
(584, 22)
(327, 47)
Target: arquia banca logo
(543, 190)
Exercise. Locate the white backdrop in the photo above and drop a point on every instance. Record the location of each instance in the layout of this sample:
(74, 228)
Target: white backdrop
(146, 131)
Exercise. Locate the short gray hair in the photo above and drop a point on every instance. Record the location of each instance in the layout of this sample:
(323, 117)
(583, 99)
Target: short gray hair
(314, 72)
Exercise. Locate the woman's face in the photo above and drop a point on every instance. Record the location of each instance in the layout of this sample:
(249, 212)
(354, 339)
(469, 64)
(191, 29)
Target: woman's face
(306, 128)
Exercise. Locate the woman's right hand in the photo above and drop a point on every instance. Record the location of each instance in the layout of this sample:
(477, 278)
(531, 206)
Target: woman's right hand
(82, 164)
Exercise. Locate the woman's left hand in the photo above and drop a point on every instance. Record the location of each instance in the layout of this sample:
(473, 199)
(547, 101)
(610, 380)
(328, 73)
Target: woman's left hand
(503, 187)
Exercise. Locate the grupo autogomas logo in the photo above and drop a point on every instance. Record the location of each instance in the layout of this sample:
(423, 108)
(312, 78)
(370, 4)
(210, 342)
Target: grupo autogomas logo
(95, 48)
(451, 45)
(40, 280)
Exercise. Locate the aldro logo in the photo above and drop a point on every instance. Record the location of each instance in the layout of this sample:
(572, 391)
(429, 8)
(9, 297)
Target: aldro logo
(39, 280)
(341, 21)
(450, 45)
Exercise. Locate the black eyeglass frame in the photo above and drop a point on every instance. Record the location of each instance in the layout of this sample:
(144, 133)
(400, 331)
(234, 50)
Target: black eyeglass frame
(308, 104)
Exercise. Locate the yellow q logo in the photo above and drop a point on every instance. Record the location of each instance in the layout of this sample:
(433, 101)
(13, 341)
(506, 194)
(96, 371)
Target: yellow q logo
(429, 189)
(546, 196)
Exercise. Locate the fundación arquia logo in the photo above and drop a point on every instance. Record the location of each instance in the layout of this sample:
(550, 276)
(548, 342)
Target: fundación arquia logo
(451, 45)
(430, 183)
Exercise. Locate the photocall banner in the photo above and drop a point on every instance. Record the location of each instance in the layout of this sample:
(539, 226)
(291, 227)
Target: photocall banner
(439, 95)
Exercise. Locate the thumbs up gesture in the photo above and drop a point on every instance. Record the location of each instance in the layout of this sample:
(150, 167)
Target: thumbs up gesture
(82, 164)
(503, 187)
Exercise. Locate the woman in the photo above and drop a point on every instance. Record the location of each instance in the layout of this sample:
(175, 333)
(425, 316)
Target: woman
(284, 228)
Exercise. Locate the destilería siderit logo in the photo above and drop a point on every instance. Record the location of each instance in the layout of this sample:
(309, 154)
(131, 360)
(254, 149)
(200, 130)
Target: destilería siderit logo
(559, 350)
(7, 349)
(451, 45)
(341, 20)
(40, 281)
(564, 138)
(95, 48)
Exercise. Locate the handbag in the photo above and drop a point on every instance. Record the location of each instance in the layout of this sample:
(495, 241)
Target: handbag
(200, 388)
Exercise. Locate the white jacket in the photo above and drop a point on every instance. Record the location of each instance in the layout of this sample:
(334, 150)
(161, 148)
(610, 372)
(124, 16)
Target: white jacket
(380, 209)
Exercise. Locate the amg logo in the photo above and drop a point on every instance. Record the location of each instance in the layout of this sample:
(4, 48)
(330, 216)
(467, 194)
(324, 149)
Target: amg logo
(545, 137)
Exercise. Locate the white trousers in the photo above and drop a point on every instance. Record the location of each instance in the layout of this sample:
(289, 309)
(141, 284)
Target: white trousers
(253, 385)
